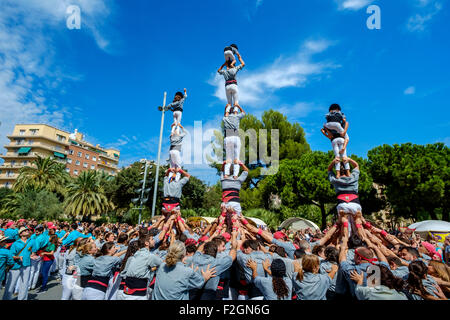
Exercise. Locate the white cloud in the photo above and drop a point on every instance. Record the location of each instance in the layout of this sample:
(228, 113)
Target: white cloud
(257, 86)
(28, 72)
(419, 21)
(410, 91)
(299, 110)
(353, 4)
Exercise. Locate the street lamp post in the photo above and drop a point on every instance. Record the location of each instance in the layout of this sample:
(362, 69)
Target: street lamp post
(155, 189)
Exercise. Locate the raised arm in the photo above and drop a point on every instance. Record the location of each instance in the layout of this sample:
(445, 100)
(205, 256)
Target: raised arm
(326, 133)
(184, 173)
(240, 59)
(328, 235)
(332, 163)
(344, 239)
(354, 164)
(221, 67)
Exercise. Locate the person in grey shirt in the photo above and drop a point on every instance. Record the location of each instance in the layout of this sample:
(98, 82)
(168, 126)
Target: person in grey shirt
(252, 252)
(308, 283)
(141, 268)
(172, 191)
(176, 140)
(207, 254)
(231, 88)
(174, 279)
(277, 286)
(346, 188)
(103, 269)
(177, 107)
(230, 190)
(232, 141)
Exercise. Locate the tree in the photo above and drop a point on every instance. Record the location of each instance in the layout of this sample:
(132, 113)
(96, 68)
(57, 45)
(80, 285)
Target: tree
(45, 174)
(305, 182)
(33, 204)
(414, 178)
(292, 142)
(193, 194)
(212, 197)
(86, 196)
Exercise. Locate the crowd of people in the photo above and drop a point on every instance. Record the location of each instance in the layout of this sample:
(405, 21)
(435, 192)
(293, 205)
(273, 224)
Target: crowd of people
(229, 259)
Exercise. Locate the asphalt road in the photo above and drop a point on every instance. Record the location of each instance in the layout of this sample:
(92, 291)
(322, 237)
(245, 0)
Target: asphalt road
(54, 290)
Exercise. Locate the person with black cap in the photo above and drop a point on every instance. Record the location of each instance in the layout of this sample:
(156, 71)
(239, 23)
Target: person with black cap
(231, 88)
(277, 286)
(177, 108)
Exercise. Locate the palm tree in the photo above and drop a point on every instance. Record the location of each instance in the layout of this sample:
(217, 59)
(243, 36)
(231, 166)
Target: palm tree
(46, 174)
(86, 196)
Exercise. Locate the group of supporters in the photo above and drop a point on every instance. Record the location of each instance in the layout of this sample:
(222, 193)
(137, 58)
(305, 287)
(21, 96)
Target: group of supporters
(230, 259)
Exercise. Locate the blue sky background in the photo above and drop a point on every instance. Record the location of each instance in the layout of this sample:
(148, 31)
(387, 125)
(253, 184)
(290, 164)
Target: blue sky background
(107, 78)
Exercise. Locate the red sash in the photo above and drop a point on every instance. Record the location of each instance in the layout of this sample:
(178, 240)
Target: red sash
(347, 197)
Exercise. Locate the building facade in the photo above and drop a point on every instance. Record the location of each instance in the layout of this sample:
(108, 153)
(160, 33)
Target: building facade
(28, 141)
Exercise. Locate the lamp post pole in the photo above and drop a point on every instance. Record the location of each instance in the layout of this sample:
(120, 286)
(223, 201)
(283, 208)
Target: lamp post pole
(155, 189)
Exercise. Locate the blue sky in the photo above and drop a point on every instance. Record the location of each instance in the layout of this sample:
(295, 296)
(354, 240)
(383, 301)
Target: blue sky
(107, 78)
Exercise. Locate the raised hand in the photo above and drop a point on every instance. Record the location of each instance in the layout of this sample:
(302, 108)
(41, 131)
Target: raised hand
(252, 264)
(208, 273)
(358, 278)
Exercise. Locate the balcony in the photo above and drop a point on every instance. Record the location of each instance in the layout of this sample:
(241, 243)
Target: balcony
(37, 145)
(37, 136)
(108, 165)
(14, 166)
(6, 176)
(109, 157)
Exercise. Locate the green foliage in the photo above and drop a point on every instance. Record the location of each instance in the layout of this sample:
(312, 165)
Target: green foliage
(415, 178)
(212, 197)
(193, 193)
(45, 174)
(271, 218)
(292, 142)
(33, 204)
(86, 196)
(201, 212)
(304, 181)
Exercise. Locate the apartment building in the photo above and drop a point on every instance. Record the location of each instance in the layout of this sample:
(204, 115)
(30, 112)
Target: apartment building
(28, 141)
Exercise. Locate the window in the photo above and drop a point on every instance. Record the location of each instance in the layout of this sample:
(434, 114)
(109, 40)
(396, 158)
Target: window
(77, 163)
(86, 156)
(13, 162)
(85, 165)
(9, 173)
(69, 160)
(30, 142)
(68, 170)
(92, 167)
(57, 148)
(7, 184)
(25, 162)
(94, 158)
(70, 151)
(61, 138)
(75, 172)
(34, 131)
(20, 142)
(79, 154)
(22, 132)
